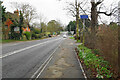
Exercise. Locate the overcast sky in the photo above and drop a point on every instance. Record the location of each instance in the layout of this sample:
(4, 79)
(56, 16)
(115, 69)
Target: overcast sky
(51, 9)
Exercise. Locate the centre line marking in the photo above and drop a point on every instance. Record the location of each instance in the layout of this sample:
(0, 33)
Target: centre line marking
(17, 51)
(43, 65)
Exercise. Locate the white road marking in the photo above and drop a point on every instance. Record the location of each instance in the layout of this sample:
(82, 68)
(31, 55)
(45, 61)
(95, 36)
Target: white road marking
(44, 68)
(81, 66)
(48, 59)
(17, 51)
(14, 44)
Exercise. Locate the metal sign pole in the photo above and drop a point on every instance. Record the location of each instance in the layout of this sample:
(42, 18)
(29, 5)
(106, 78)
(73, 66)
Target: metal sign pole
(84, 17)
(83, 31)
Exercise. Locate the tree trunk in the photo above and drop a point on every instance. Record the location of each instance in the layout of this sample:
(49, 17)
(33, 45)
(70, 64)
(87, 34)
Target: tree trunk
(94, 22)
(77, 20)
(119, 51)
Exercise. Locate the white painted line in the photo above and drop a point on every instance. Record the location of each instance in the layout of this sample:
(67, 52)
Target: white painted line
(44, 68)
(17, 51)
(33, 76)
(81, 66)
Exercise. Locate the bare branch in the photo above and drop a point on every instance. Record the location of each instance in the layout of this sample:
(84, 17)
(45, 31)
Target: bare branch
(113, 10)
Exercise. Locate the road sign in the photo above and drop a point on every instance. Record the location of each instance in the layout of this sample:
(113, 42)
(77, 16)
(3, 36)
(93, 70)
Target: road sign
(16, 29)
(84, 16)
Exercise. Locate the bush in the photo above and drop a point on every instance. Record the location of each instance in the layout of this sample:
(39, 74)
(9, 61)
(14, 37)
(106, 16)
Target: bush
(36, 36)
(36, 31)
(28, 35)
(33, 36)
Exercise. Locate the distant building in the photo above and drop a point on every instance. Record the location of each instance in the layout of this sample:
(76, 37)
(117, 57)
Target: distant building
(26, 29)
(11, 24)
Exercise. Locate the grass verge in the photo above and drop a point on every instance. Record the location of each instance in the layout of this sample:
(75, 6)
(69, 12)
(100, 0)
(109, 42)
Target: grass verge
(72, 38)
(9, 41)
(78, 41)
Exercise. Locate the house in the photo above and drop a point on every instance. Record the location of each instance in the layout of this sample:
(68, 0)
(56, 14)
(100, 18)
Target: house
(26, 29)
(10, 26)
(15, 19)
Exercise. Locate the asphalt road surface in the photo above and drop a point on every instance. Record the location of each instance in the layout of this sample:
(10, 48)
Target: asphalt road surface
(30, 59)
(22, 60)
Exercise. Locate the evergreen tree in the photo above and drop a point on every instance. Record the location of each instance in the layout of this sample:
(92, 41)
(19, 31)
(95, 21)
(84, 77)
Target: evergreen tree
(2, 11)
(21, 22)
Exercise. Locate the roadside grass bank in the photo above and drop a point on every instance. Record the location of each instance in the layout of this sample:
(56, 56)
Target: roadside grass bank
(9, 41)
(72, 38)
(77, 41)
(94, 65)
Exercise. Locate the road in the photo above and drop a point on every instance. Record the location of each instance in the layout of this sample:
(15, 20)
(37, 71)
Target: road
(30, 59)
(21, 60)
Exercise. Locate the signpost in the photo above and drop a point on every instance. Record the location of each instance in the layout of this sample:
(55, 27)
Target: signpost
(83, 17)
(16, 29)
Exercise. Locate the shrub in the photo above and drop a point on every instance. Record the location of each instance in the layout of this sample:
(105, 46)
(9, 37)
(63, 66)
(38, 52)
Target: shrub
(36, 31)
(33, 36)
(98, 64)
(38, 35)
(28, 35)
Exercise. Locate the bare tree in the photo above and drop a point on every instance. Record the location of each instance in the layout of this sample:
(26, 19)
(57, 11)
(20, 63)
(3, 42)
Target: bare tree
(97, 8)
(29, 12)
(42, 18)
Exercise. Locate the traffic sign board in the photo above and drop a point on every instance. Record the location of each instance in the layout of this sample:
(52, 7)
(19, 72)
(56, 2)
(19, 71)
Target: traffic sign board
(84, 16)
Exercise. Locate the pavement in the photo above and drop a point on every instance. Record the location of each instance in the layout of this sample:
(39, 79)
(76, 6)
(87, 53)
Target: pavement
(64, 63)
(48, 58)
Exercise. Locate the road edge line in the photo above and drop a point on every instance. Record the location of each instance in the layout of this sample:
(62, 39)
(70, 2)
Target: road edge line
(26, 48)
(81, 66)
(44, 67)
(45, 62)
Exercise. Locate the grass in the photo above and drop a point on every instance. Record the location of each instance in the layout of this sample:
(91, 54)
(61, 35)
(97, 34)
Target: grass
(9, 41)
(78, 41)
(72, 38)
